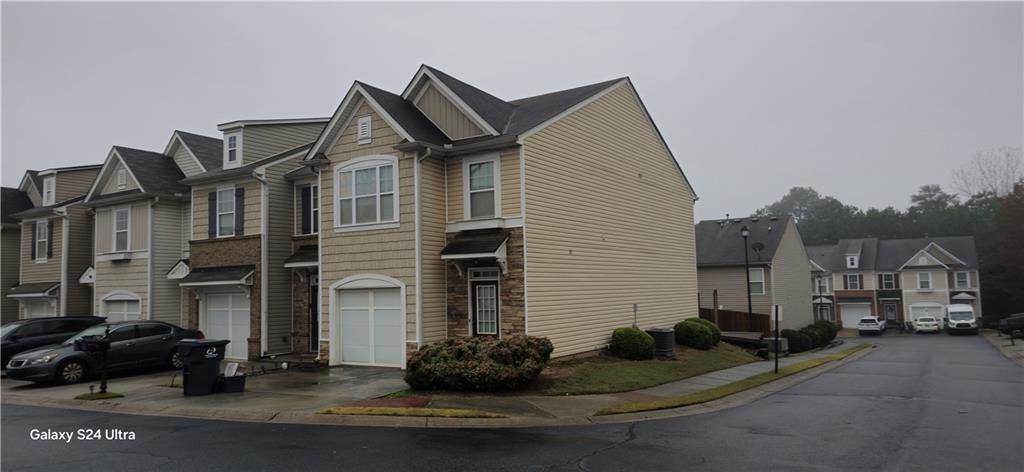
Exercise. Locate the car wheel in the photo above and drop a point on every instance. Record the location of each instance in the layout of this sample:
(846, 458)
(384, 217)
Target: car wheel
(175, 361)
(71, 371)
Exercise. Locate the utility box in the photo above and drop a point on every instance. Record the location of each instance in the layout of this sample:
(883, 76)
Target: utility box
(664, 341)
(769, 343)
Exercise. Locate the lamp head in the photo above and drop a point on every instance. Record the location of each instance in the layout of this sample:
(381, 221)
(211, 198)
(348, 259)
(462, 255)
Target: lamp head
(744, 231)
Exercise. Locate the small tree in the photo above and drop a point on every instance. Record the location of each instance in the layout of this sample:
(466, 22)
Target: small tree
(993, 171)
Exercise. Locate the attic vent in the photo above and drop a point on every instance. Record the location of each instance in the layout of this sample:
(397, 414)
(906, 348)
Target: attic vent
(364, 132)
(122, 179)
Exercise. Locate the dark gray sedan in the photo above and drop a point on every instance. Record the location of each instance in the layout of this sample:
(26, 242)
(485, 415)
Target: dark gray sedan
(133, 344)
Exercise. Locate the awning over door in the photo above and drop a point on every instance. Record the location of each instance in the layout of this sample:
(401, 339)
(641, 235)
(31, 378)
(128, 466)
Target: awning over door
(305, 256)
(212, 276)
(34, 290)
(478, 244)
(964, 296)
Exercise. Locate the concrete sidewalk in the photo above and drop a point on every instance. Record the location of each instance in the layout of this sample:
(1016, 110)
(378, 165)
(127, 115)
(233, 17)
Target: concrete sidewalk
(1012, 349)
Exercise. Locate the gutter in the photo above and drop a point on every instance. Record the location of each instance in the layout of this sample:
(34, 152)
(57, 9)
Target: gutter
(264, 194)
(450, 150)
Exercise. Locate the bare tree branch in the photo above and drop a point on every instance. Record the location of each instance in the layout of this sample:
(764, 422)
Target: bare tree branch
(992, 171)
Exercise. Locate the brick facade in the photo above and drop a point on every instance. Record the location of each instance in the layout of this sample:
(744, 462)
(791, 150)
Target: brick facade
(300, 308)
(226, 252)
(512, 308)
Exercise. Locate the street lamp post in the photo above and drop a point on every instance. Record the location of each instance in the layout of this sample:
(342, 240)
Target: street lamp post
(745, 232)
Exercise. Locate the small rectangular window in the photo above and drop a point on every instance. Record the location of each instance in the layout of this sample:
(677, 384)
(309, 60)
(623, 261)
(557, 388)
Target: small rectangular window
(888, 281)
(122, 178)
(364, 131)
(852, 281)
(121, 216)
(49, 190)
(851, 262)
(757, 281)
(482, 190)
(42, 239)
(963, 280)
(232, 148)
(924, 280)
(226, 212)
(314, 205)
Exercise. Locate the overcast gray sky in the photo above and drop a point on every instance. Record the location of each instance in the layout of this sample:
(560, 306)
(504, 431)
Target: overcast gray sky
(864, 102)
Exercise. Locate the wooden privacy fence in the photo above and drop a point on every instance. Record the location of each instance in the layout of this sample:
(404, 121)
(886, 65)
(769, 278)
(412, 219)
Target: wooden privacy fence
(729, 320)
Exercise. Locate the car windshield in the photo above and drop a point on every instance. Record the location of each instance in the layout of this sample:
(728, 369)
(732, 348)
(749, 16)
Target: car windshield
(8, 328)
(97, 330)
(961, 315)
(926, 319)
(867, 321)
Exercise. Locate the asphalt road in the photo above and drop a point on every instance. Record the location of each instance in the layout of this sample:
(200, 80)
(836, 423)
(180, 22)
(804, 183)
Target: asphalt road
(931, 403)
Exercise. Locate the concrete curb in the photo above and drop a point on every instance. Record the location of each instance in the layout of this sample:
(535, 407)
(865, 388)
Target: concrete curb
(302, 417)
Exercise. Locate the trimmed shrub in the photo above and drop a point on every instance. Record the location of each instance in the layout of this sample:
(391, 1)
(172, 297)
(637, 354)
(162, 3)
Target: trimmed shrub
(716, 334)
(694, 335)
(632, 343)
(478, 363)
(818, 336)
(829, 327)
(798, 341)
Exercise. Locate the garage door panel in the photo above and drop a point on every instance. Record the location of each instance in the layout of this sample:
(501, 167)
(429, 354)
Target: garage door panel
(851, 314)
(919, 311)
(227, 317)
(387, 336)
(355, 336)
(355, 299)
(372, 326)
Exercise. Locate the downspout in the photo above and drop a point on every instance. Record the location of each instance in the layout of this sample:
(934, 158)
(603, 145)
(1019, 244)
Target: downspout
(419, 244)
(149, 260)
(64, 233)
(264, 191)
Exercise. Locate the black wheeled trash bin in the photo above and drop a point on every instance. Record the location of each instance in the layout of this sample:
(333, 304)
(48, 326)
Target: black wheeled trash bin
(202, 364)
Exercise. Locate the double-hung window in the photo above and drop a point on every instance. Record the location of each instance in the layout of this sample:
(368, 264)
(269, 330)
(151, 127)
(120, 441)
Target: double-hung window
(757, 281)
(42, 239)
(481, 188)
(888, 281)
(226, 212)
(232, 150)
(121, 220)
(822, 285)
(962, 280)
(366, 192)
(924, 280)
(49, 190)
(314, 208)
(852, 281)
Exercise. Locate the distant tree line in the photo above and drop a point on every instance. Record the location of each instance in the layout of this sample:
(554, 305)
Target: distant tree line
(994, 216)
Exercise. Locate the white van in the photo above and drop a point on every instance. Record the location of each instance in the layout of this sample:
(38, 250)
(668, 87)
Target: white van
(960, 319)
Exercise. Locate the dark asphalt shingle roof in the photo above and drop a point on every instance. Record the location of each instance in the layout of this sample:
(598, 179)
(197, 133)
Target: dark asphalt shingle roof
(821, 255)
(13, 201)
(46, 210)
(33, 287)
(33, 175)
(209, 151)
(308, 253)
(495, 111)
(891, 254)
(719, 242)
(217, 274)
(243, 171)
(156, 173)
(475, 242)
(407, 116)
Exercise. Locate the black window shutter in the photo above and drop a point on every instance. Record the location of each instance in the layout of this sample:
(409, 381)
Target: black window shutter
(49, 239)
(896, 281)
(307, 211)
(211, 227)
(846, 282)
(33, 240)
(880, 284)
(239, 211)
(860, 281)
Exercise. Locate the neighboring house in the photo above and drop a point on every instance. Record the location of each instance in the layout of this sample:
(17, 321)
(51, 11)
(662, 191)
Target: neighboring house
(899, 279)
(12, 201)
(822, 296)
(56, 243)
(446, 211)
(242, 227)
(777, 265)
(141, 228)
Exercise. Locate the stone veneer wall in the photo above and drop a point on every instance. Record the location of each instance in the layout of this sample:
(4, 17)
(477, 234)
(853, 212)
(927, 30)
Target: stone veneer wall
(226, 252)
(512, 311)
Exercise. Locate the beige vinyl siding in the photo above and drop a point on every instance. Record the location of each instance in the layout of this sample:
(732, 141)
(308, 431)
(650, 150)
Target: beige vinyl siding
(71, 184)
(183, 158)
(34, 195)
(432, 232)
(138, 225)
(909, 279)
(731, 283)
(109, 179)
(791, 280)
(131, 276)
(297, 187)
(930, 260)
(10, 262)
(200, 204)
(165, 296)
(870, 280)
(592, 253)
(279, 247)
(35, 271)
(390, 252)
(262, 141)
(446, 115)
(80, 257)
(510, 186)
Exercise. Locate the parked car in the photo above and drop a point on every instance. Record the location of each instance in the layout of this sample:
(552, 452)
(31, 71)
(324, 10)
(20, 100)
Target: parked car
(133, 344)
(23, 335)
(960, 319)
(927, 324)
(1012, 323)
(871, 325)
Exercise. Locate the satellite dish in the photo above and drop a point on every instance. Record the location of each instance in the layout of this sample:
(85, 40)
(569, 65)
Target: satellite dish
(757, 247)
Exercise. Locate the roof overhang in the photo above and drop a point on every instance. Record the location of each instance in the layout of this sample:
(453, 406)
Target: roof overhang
(250, 171)
(88, 276)
(964, 296)
(179, 271)
(420, 80)
(493, 246)
(34, 290)
(342, 116)
(220, 276)
(286, 121)
(104, 169)
(297, 265)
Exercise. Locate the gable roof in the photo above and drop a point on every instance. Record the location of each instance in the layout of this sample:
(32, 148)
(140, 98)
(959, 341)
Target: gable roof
(821, 255)
(245, 170)
(32, 177)
(155, 173)
(407, 115)
(495, 111)
(890, 255)
(720, 243)
(208, 150)
(12, 201)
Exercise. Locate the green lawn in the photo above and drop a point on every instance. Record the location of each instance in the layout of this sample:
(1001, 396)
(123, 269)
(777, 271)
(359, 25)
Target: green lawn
(608, 374)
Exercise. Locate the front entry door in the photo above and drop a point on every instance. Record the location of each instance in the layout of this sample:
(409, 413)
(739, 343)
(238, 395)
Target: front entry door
(314, 313)
(890, 311)
(485, 307)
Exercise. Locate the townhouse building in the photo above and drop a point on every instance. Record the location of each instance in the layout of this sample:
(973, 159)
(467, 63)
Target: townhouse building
(898, 280)
(56, 243)
(12, 201)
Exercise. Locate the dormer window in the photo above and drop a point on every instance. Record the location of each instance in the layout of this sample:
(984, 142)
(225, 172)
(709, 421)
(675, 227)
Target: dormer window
(49, 190)
(122, 178)
(364, 131)
(232, 150)
(852, 260)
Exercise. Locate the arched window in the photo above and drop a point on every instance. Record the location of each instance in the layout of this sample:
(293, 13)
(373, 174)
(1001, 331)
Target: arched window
(366, 193)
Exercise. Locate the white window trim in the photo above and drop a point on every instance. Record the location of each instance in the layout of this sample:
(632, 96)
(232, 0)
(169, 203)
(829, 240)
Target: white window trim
(474, 275)
(931, 285)
(762, 281)
(365, 163)
(883, 287)
(42, 236)
(234, 205)
(128, 230)
(124, 297)
(854, 278)
(50, 199)
(852, 261)
(122, 178)
(368, 137)
(956, 283)
(467, 211)
(818, 282)
(238, 150)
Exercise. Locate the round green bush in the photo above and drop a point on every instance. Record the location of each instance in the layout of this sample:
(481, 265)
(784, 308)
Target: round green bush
(632, 343)
(829, 327)
(818, 337)
(798, 342)
(716, 334)
(694, 335)
(478, 363)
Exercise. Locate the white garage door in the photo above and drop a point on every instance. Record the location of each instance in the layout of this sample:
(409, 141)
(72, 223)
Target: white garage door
(121, 310)
(852, 314)
(38, 309)
(371, 326)
(227, 317)
(919, 311)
